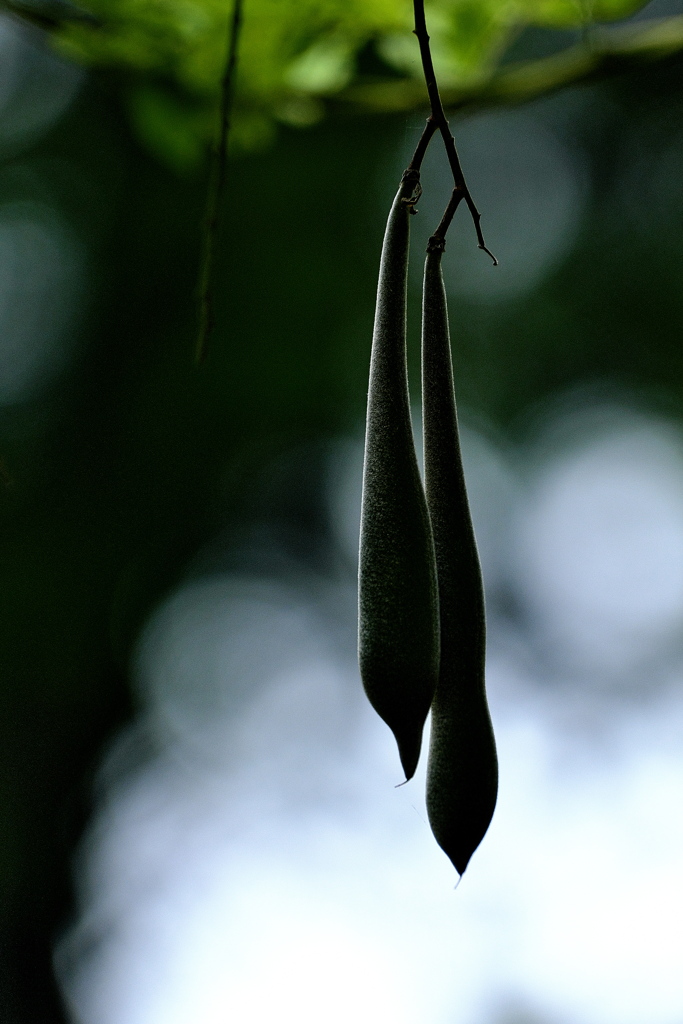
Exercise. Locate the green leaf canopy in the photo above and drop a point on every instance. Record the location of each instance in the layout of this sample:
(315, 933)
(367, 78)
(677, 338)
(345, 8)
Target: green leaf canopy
(294, 54)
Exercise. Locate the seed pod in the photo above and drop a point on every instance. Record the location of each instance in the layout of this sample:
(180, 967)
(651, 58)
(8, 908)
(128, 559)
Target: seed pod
(462, 771)
(398, 619)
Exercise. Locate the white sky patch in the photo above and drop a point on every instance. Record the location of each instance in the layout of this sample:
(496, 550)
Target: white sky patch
(281, 876)
(600, 546)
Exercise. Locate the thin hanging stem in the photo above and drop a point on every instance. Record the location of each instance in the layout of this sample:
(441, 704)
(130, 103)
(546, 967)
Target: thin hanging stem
(437, 121)
(418, 156)
(216, 188)
(438, 239)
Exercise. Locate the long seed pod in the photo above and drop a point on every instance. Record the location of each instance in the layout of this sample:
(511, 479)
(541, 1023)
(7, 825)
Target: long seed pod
(462, 772)
(398, 618)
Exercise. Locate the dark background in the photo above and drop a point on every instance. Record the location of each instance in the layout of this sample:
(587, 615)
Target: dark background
(122, 465)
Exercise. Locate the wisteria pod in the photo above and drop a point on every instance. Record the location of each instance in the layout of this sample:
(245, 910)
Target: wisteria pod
(398, 635)
(462, 771)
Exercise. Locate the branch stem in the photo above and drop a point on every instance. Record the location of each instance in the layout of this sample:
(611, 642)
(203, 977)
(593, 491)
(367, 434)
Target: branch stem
(438, 239)
(418, 156)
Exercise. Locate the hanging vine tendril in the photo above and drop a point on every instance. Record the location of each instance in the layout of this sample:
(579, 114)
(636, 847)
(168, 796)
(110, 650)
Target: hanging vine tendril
(216, 190)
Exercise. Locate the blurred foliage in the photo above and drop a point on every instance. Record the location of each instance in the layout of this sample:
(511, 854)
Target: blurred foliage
(294, 55)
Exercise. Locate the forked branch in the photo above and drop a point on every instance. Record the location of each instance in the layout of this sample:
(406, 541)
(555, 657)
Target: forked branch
(437, 121)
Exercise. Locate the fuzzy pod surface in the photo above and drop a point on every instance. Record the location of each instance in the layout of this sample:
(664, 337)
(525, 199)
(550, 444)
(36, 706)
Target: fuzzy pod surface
(398, 618)
(462, 771)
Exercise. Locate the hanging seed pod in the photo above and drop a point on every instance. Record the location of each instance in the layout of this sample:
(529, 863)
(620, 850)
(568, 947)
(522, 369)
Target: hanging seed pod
(462, 772)
(398, 621)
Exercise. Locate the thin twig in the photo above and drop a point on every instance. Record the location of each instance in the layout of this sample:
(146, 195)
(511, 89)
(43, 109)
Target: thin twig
(438, 118)
(438, 239)
(418, 156)
(216, 190)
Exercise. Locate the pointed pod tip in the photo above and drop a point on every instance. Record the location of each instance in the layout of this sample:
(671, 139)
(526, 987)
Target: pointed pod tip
(460, 864)
(409, 753)
(459, 858)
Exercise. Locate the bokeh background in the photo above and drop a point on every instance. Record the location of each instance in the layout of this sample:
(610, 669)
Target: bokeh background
(199, 819)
